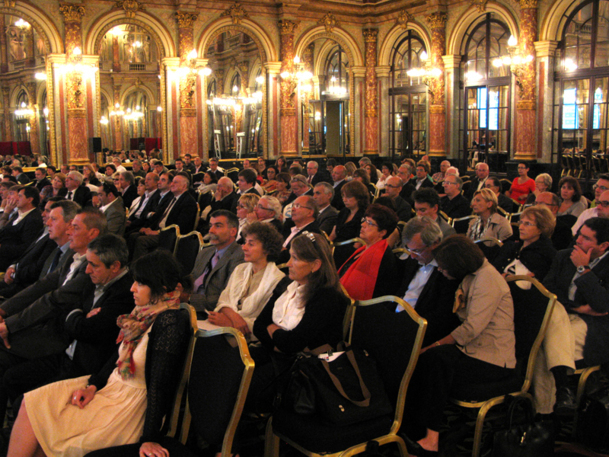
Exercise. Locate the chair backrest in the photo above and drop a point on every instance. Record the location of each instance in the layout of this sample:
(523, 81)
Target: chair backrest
(198, 177)
(187, 249)
(219, 378)
(168, 237)
(532, 310)
(393, 340)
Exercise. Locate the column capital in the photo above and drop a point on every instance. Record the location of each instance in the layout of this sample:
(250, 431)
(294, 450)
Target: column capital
(272, 68)
(186, 19)
(358, 72)
(383, 71)
(71, 12)
(452, 61)
(286, 27)
(370, 35)
(524, 4)
(545, 48)
(437, 20)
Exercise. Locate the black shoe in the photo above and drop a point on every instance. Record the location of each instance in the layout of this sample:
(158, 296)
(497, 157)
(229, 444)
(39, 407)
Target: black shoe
(415, 449)
(565, 405)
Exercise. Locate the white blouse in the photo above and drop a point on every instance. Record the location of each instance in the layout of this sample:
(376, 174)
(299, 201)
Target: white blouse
(290, 307)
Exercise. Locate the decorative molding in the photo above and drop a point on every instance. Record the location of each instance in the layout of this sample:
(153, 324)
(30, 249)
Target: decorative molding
(437, 20)
(370, 35)
(72, 13)
(528, 4)
(236, 13)
(545, 48)
(329, 22)
(130, 6)
(525, 105)
(404, 17)
(480, 5)
(437, 109)
(286, 27)
(9, 3)
(186, 20)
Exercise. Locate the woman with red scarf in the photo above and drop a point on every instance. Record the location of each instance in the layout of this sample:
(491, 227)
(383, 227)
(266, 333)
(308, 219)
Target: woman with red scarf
(127, 401)
(370, 271)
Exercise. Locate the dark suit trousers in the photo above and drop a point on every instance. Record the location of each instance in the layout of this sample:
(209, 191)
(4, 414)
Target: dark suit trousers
(7, 361)
(440, 371)
(144, 245)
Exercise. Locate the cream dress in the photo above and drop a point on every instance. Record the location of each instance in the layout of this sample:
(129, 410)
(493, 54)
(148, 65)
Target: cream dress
(114, 417)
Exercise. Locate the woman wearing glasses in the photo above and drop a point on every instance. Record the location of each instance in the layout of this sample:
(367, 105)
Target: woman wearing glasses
(534, 253)
(368, 273)
(522, 185)
(245, 212)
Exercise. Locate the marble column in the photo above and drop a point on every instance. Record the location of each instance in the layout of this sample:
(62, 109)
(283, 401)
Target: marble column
(3, 48)
(188, 86)
(116, 62)
(437, 102)
(117, 121)
(546, 59)
(78, 144)
(383, 75)
(7, 131)
(526, 83)
(287, 112)
(30, 58)
(371, 94)
(34, 128)
(452, 91)
(357, 102)
(271, 119)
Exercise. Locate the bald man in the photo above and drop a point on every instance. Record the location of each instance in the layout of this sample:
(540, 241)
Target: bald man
(339, 173)
(482, 172)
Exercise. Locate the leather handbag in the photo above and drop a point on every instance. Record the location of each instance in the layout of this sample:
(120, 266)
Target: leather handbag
(528, 439)
(593, 422)
(340, 390)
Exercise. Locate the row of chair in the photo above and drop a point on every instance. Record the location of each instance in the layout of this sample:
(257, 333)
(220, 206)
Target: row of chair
(184, 247)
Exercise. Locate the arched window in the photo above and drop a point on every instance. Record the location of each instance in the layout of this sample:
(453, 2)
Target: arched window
(485, 101)
(22, 121)
(581, 90)
(408, 97)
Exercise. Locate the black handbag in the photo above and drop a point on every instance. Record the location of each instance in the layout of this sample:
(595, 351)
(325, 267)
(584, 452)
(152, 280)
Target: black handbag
(344, 391)
(529, 439)
(593, 422)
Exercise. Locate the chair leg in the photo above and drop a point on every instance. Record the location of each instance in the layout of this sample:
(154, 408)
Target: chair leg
(581, 388)
(271, 441)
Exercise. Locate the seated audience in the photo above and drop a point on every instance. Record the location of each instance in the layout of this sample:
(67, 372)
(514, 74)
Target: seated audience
(209, 183)
(308, 314)
(370, 271)
(90, 177)
(77, 191)
(422, 179)
(522, 186)
(282, 188)
(252, 283)
(315, 175)
(127, 187)
(323, 193)
(562, 236)
(534, 253)
(135, 396)
(304, 218)
(599, 210)
(215, 263)
(113, 209)
(454, 204)
(386, 172)
(245, 212)
(573, 202)
(268, 210)
(393, 188)
(361, 175)
(438, 177)
(578, 330)
(423, 286)
(147, 205)
(489, 222)
(480, 350)
(543, 183)
(41, 178)
(427, 203)
(503, 201)
(339, 178)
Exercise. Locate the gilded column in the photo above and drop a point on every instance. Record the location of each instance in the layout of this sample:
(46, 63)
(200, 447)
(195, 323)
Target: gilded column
(116, 62)
(75, 88)
(437, 101)
(371, 94)
(8, 134)
(307, 60)
(30, 59)
(117, 120)
(525, 81)
(3, 53)
(287, 112)
(34, 135)
(188, 86)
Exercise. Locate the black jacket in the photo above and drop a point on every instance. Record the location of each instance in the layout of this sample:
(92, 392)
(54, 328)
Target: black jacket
(537, 256)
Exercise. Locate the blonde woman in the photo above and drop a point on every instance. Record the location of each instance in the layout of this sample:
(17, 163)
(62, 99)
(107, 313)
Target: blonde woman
(489, 223)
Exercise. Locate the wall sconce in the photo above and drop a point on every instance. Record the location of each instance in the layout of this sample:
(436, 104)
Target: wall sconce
(117, 111)
(515, 58)
(23, 110)
(23, 25)
(40, 76)
(297, 78)
(426, 73)
(190, 66)
(104, 120)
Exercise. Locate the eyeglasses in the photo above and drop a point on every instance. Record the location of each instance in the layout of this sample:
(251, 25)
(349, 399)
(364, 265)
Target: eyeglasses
(298, 205)
(446, 183)
(240, 206)
(603, 188)
(528, 224)
(543, 204)
(370, 223)
(604, 204)
(417, 251)
(392, 186)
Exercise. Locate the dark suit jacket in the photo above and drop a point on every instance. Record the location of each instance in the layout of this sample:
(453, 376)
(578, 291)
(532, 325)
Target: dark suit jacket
(251, 190)
(226, 203)
(23, 179)
(471, 188)
(426, 183)
(435, 303)
(183, 214)
(406, 192)
(96, 335)
(218, 173)
(337, 200)
(403, 209)
(151, 206)
(327, 219)
(42, 184)
(592, 289)
(284, 256)
(216, 279)
(29, 266)
(129, 195)
(40, 305)
(81, 195)
(15, 239)
(115, 216)
(321, 176)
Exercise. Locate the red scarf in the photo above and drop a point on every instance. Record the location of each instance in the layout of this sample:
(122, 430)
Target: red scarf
(360, 278)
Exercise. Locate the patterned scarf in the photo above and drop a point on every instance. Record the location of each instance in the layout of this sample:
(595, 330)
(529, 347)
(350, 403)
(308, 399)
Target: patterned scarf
(133, 327)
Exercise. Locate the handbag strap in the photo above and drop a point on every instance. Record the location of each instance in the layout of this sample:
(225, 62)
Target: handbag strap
(514, 402)
(338, 385)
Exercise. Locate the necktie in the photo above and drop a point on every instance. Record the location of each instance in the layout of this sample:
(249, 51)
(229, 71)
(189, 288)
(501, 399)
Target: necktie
(70, 195)
(199, 285)
(166, 213)
(55, 261)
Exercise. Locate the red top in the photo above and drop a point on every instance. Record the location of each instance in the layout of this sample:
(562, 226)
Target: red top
(519, 192)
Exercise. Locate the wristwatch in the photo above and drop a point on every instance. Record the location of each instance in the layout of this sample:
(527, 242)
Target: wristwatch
(583, 268)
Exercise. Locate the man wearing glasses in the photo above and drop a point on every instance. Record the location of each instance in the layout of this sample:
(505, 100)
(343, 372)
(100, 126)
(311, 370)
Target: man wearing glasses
(601, 186)
(454, 204)
(562, 237)
(304, 218)
(393, 187)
